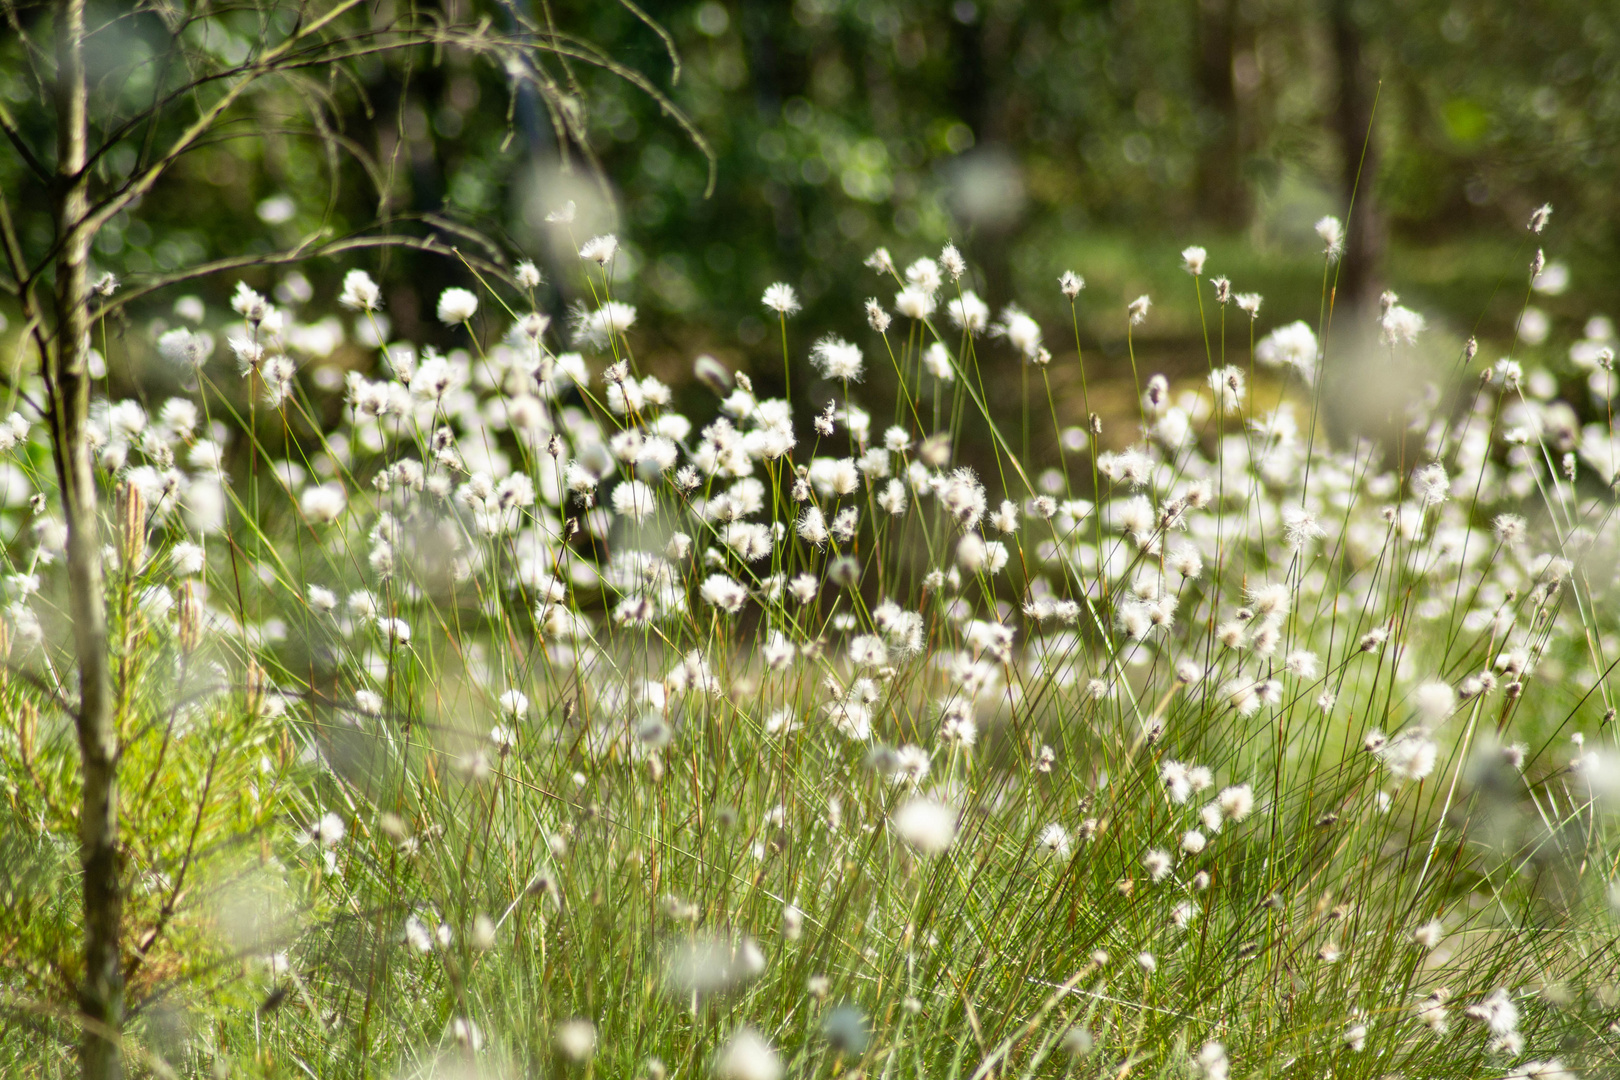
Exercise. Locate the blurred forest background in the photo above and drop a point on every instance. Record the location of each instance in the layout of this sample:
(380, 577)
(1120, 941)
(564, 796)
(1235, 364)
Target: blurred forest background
(1040, 135)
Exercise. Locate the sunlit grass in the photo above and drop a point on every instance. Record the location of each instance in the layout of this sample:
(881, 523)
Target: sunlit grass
(1222, 747)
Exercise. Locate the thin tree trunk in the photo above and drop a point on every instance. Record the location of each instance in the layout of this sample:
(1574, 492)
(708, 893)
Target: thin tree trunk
(101, 995)
(1223, 197)
(1359, 280)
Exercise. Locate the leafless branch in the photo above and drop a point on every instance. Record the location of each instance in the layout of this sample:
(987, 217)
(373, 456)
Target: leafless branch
(301, 253)
(9, 126)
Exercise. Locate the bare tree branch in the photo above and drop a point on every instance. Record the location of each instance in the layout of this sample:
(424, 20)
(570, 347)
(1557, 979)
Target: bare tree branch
(301, 253)
(663, 35)
(45, 689)
(266, 64)
(9, 126)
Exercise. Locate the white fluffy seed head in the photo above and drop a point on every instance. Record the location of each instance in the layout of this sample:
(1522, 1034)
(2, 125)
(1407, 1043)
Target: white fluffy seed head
(876, 317)
(599, 249)
(1401, 325)
(575, 1040)
(837, 359)
(748, 1056)
(456, 306)
(1430, 934)
(1434, 701)
(360, 292)
(1430, 484)
(323, 504)
(1236, 802)
(781, 299)
(926, 824)
(1270, 601)
(1331, 230)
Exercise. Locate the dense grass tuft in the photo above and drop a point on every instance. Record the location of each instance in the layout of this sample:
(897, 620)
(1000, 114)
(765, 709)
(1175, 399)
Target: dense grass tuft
(494, 713)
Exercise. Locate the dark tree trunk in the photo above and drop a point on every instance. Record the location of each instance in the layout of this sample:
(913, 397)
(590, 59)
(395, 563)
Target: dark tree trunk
(1223, 197)
(1359, 277)
(970, 81)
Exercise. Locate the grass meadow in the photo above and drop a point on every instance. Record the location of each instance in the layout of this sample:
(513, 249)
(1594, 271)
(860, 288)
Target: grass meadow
(510, 711)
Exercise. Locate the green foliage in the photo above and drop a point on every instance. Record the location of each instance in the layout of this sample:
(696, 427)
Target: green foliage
(437, 742)
(411, 789)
